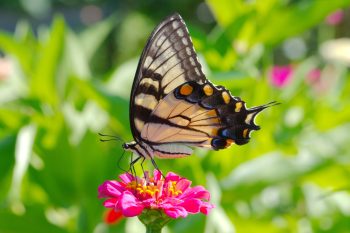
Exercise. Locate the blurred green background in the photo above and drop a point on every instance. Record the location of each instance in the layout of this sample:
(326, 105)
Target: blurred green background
(66, 69)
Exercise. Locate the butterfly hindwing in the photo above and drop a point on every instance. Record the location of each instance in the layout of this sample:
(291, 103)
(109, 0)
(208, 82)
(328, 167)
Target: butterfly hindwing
(167, 61)
(201, 115)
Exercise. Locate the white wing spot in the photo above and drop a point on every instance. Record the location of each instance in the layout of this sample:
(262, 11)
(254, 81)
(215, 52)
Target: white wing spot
(146, 101)
(175, 24)
(184, 41)
(197, 71)
(180, 32)
(188, 51)
(192, 61)
(150, 82)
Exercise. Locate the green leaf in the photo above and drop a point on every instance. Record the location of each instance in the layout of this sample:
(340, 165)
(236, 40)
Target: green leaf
(44, 78)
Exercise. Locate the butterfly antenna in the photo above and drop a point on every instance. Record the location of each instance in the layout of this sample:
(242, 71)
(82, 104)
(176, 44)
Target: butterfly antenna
(111, 138)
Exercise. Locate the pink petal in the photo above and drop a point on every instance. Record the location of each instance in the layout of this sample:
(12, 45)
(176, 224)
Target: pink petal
(171, 201)
(157, 175)
(129, 205)
(183, 184)
(175, 212)
(172, 177)
(196, 192)
(206, 207)
(150, 203)
(192, 205)
(110, 203)
(126, 177)
(110, 188)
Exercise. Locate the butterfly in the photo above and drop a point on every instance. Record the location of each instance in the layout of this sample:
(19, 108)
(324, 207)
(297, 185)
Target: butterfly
(174, 107)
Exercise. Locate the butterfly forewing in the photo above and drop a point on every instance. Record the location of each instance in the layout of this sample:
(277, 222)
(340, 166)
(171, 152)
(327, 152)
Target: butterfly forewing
(167, 61)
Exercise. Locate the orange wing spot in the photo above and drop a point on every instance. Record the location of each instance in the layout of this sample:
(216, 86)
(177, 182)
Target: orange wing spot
(226, 97)
(214, 132)
(229, 142)
(208, 90)
(186, 89)
(245, 133)
(238, 106)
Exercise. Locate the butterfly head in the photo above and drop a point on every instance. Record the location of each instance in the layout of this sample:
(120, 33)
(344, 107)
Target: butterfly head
(129, 146)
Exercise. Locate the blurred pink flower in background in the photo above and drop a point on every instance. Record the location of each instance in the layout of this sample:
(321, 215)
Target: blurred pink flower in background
(280, 75)
(313, 76)
(335, 17)
(171, 194)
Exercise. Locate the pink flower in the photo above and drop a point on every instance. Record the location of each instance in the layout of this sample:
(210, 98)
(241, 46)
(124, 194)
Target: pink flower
(335, 18)
(280, 75)
(171, 194)
(313, 76)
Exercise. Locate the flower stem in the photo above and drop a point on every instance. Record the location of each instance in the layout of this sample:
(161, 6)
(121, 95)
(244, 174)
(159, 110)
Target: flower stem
(150, 229)
(154, 220)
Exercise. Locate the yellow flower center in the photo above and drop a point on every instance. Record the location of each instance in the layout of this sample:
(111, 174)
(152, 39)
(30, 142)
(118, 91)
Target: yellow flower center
(150, 189)
(173, 191)
(143, 189)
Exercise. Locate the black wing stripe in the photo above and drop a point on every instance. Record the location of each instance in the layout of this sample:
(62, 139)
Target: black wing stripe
(150, 90)
(143, 112)
(169, 152)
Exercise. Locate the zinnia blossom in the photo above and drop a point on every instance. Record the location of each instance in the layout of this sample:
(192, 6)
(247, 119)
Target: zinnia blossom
(172, 194)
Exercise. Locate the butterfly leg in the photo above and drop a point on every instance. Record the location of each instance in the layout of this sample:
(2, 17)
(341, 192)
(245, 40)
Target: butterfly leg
(132, 165)
(156, 166)
(143, 170)
(118, 163)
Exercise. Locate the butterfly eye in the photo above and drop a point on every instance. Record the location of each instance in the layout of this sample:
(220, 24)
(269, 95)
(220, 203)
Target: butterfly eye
(125, 146)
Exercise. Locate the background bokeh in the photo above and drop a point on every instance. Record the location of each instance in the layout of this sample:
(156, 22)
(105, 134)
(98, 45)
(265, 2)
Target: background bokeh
(66, 69)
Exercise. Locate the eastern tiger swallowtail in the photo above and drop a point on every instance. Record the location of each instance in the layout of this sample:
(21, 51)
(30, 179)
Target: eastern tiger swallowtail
(173, 107)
